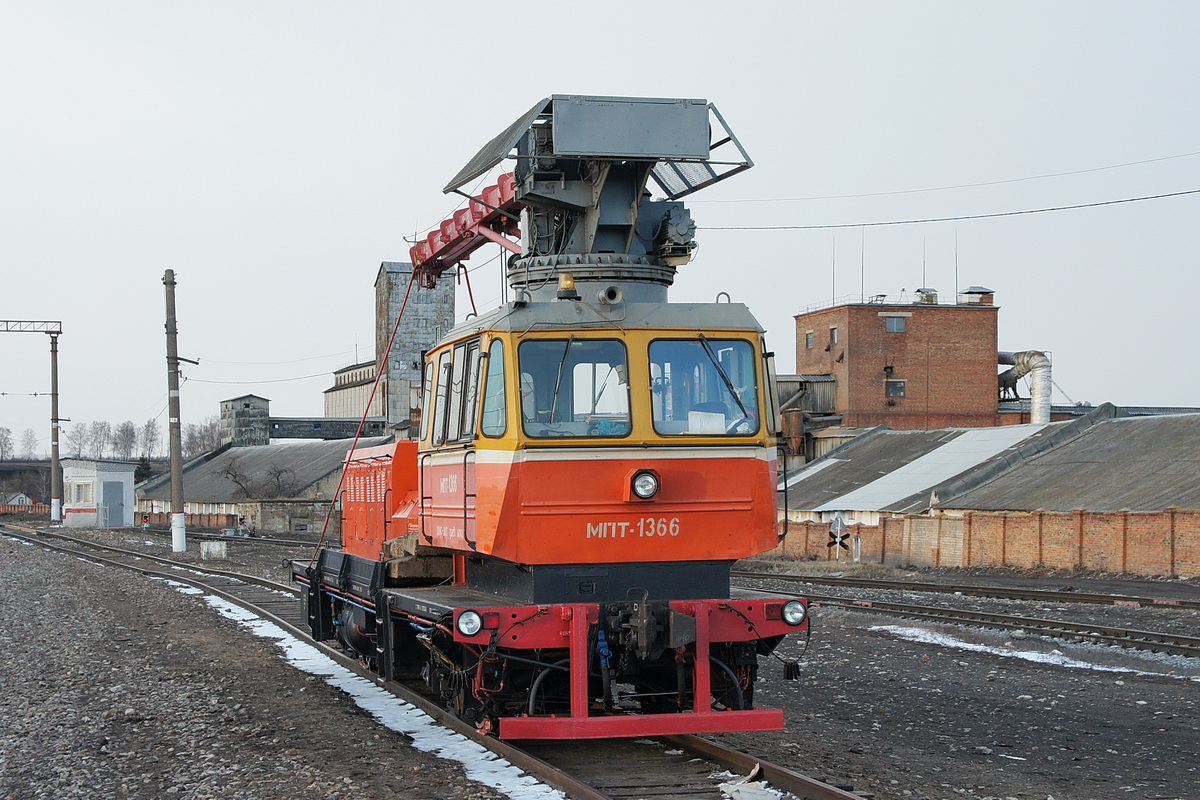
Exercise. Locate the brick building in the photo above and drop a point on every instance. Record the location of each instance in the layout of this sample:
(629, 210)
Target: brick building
(911, 366)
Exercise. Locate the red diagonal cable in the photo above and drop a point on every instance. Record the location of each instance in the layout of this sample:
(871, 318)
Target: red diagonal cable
(467, 276)
(366, 411)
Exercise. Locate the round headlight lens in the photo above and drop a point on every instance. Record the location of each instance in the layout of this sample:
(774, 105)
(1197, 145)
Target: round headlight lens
(794, 612)
(469, 623)
(645, 485)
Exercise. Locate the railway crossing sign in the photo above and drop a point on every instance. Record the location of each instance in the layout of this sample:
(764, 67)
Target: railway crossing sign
(838, 537)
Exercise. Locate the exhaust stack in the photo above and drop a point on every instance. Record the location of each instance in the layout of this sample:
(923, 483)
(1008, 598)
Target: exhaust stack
(1036, 364)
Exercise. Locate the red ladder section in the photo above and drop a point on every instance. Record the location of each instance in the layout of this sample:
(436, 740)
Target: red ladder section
(489, 217)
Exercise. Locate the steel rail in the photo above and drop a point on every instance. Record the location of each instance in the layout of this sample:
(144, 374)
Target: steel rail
(1002, 592)
(237, 576)
(778, 777)
(220, 537)
(1153, 641)
(539, 769)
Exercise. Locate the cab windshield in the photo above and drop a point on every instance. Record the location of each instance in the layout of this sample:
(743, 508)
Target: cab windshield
(574, 387)
(703, 387)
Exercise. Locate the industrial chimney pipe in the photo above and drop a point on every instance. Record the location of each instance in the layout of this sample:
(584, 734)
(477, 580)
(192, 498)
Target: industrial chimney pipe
(1036, 364)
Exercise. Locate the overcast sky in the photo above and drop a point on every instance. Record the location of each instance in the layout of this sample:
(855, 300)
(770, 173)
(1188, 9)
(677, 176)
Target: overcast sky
(274, 153)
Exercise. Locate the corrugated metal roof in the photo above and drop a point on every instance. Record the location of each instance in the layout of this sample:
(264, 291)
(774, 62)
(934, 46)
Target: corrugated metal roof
(209, 481)
(858, 463)
(1079, 410)
(1128, 463)
(920, 476)
(897, 470)
(839, 432)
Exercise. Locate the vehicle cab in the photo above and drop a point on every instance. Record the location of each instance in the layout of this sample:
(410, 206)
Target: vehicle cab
(660, 419)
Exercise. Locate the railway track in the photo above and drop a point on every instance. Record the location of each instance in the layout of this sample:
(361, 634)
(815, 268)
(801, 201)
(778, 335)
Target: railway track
(267, 540)
(998, 592)
(1153, 641)
(661, 767)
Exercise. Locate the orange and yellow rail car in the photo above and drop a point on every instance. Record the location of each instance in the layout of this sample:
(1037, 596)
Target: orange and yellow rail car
(552, 555)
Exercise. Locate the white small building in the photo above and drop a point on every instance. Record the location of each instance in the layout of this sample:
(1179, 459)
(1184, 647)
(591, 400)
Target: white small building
(15, 499)
(97, 494)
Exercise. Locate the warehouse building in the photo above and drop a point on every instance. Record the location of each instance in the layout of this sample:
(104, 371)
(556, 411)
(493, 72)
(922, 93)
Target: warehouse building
(279, 489)
(1107, 491)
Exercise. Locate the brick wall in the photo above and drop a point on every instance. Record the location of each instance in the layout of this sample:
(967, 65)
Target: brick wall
(35, 508)
(191, 521)
(1163, 543)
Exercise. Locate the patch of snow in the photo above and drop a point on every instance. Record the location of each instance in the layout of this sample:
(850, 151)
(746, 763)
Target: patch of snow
(1054, 658)
(478, 762)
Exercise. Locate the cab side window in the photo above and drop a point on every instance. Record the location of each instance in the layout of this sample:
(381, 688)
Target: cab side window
(445, 370)
(495, 407)
(470, 405)
(427, 400)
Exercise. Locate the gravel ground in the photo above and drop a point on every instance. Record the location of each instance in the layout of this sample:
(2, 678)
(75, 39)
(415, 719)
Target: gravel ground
(116, 686)
(987, 714)
(970, 715)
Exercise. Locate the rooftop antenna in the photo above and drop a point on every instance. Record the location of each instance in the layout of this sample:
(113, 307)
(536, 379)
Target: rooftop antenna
(923, 283)
(862, 262)
(833, 273)
(956, 259)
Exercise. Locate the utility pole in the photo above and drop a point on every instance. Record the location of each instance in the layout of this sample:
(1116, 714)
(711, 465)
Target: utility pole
(54, 329)
(56, 484)
(178, 523)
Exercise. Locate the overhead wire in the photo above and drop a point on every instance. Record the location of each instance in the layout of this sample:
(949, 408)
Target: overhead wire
(1000, 182)
(261, 380)
(267, 363)
(462, 204)
(946, 219)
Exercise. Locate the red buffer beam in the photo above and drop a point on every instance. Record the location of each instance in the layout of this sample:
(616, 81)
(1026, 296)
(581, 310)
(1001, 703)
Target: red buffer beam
(489, 217)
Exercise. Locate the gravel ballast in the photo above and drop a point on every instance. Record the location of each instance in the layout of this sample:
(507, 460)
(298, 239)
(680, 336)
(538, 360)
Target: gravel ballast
(118, 686)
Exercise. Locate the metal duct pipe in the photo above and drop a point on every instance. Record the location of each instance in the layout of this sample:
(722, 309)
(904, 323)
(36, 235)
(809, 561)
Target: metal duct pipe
(1036, 364)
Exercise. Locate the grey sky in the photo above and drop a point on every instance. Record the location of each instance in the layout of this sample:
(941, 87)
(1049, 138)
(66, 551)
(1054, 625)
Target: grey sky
(273, 153)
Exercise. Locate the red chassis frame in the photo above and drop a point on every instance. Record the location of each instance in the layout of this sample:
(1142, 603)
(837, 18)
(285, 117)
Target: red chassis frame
(548, 626)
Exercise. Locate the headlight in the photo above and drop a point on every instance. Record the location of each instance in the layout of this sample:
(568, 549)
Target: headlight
(469, 623)
(794, 613)
(645, 485)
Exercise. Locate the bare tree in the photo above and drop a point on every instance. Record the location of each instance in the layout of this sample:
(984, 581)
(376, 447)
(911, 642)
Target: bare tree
(235, 473)
(281, 482)
(202, 438)
(6, 444)
(149, 438)
(124, 440)
(77, 437)
(99, 438)
(29, 444)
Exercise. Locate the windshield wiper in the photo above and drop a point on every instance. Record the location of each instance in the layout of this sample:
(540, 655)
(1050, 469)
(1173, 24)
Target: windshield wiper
(725, 378)
(558, 379)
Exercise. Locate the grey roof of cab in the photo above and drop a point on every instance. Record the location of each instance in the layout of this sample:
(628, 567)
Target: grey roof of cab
(568, 314)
